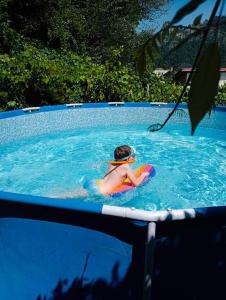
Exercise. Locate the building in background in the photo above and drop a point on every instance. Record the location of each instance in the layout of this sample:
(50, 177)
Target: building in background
(161, 71)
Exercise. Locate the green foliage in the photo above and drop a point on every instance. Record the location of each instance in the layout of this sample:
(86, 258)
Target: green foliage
(60, 51)
(221, 96)
(162, 90)
(10, 40)
(40, 77)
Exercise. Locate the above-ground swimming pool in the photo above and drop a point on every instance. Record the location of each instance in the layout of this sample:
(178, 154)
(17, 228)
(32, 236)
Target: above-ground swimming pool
(52, 152)
(103, 247)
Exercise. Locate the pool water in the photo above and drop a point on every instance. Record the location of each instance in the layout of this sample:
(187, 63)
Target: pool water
(190, 170)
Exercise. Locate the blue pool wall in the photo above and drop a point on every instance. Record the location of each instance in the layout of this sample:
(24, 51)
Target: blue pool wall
(62, 249)
(50, 119)
(68, 251)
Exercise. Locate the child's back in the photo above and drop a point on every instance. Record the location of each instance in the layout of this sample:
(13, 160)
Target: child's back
(114, 177)
(120, 170)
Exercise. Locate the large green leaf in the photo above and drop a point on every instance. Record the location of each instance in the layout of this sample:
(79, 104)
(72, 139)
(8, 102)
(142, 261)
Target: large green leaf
(204, 85)
(186, 9)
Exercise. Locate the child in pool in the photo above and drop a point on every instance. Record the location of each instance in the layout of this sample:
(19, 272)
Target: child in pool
(120, 169)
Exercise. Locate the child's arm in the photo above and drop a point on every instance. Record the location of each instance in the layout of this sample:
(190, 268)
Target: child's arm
(135, 181)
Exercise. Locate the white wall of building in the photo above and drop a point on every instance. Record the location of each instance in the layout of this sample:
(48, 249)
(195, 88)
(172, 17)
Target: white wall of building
(222, 78)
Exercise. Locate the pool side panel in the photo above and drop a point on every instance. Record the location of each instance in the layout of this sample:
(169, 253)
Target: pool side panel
(81, 251)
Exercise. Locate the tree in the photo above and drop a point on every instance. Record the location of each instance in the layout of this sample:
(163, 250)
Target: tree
(88, 27)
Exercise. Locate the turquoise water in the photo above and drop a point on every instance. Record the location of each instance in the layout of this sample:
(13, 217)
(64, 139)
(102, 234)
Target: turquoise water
(190, 171)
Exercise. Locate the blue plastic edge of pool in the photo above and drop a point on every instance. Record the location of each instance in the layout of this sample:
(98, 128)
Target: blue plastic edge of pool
(96, 208)
(20, 112)
(77, 205)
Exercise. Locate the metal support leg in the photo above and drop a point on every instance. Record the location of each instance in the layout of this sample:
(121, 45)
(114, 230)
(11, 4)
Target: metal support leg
(149, 260)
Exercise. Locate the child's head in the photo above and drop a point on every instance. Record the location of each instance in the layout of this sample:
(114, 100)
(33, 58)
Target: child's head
(123, 152)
